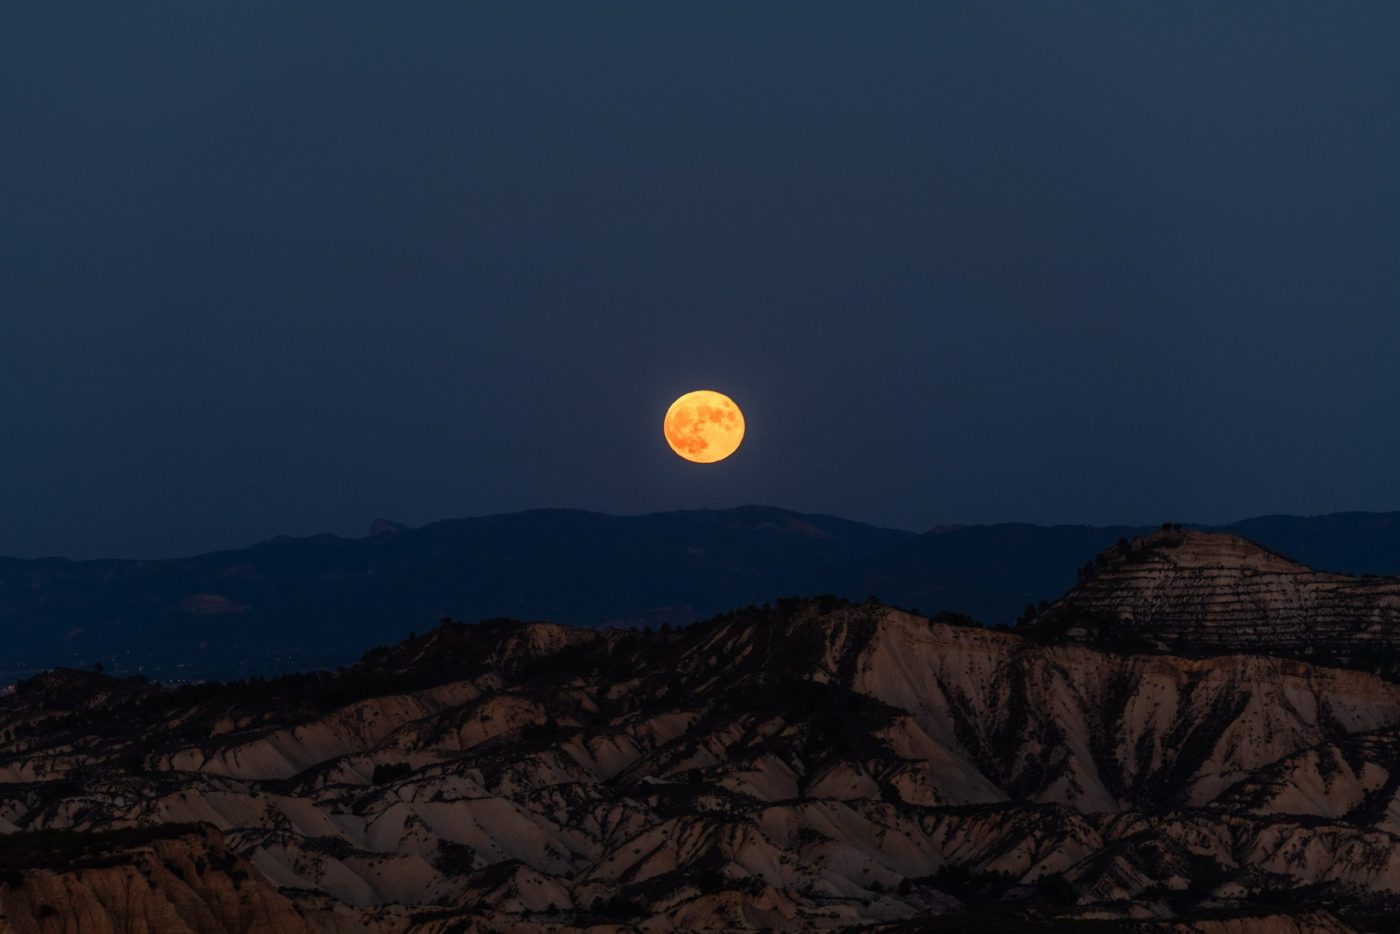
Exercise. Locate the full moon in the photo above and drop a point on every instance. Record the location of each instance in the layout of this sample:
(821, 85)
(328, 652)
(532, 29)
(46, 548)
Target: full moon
(704, 426)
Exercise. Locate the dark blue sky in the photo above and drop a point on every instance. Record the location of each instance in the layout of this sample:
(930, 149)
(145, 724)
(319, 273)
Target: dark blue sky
(270, 270)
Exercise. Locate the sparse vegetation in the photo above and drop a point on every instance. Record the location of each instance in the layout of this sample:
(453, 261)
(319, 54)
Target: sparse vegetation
(64, 850)
(386, 773)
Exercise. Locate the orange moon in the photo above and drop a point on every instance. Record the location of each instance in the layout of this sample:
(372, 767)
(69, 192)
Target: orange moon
(704, 426)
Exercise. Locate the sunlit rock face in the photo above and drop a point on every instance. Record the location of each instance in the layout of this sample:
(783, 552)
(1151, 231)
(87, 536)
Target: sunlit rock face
(811, 765)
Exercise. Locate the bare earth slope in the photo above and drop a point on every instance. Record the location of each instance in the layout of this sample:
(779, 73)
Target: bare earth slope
(812, 765)
(168, 879)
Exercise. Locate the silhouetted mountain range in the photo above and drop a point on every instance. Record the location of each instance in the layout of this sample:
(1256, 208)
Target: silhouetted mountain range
(292, 602)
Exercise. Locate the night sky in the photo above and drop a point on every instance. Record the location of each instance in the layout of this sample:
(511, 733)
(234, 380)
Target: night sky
(269, 270)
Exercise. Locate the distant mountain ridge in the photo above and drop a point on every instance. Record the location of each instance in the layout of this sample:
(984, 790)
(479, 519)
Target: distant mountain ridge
(298, 602)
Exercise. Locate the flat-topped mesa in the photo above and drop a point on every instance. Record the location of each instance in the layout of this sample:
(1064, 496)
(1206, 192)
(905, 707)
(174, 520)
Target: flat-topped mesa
(1211, 593)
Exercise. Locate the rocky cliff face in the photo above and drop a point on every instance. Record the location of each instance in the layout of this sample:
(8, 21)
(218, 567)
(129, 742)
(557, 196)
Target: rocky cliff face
(811, 765)
(1211, 593)
(167, 879)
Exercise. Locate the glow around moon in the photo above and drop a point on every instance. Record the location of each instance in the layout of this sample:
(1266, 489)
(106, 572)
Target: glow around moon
(704, 426)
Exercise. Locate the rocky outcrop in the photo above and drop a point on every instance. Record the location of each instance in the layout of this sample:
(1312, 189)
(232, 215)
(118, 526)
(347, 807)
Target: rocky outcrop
(166, 879)
(1200, 593)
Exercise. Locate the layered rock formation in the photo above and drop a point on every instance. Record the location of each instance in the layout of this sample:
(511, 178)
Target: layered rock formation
(1211, 593)
(168, 878)
(810, 765)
